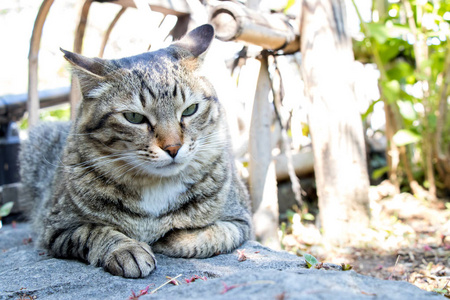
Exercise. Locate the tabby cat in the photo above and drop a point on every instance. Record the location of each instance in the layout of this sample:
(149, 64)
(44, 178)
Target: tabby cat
(145, 168)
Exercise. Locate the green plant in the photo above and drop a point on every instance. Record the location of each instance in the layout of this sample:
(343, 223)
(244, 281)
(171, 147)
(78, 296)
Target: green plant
(409, 41)
(5, 210)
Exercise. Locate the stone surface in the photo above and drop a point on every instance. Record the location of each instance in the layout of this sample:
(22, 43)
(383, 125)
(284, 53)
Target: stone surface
(266, 274)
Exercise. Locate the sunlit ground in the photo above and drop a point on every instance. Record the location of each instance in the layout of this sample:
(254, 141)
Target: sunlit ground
(408, 241)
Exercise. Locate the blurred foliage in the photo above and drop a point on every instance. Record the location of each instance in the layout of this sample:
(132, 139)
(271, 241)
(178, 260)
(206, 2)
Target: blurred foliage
(409, 43)
(5, 209)
(59, 113)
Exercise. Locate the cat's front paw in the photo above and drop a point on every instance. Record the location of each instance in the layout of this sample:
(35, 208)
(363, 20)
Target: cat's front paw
(131, 259)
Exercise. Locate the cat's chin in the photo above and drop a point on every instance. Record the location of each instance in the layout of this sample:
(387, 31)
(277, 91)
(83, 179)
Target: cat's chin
(169, 170)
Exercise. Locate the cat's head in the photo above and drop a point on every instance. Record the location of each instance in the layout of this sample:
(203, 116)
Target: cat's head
(153, 113)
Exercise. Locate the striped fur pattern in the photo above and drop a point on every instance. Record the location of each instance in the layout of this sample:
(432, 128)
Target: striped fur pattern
(146, 166)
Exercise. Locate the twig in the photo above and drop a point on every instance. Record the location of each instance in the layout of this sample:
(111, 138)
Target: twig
(395, 266)
(436, 278)
(277, 92)
(167, 282)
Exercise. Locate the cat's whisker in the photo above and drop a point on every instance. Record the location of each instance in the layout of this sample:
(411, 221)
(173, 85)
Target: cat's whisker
(98, 165)
(92, 161)
(111, 171)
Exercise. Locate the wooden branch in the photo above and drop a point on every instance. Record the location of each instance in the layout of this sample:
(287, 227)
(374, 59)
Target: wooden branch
(167, 7)
(33, 98)
(108, 31)
(75, 93)
(233, 21)
(277, 91)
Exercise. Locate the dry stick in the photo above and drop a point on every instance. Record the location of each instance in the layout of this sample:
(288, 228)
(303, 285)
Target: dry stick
(445, 286)
(168, 281)
(395, 266)
(436, 278)
(108, 31)
(277, 96)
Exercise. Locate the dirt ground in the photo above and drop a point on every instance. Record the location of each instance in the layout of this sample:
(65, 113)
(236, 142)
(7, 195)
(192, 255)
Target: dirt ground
(409, 240)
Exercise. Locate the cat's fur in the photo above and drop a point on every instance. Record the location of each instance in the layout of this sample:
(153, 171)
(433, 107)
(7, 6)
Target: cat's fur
(111, 192)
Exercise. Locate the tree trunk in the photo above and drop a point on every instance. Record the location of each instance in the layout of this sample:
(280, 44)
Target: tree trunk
(335, 123)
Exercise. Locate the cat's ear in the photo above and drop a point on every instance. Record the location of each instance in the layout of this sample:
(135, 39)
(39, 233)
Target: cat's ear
(198, 40)
(89, 71)
(92, 66)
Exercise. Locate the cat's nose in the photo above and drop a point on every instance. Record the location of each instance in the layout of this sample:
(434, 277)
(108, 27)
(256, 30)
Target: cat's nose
(172, 150)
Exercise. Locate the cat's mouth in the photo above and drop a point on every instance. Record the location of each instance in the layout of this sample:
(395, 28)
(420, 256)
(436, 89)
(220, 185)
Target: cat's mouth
(170, 165)
(170, 168)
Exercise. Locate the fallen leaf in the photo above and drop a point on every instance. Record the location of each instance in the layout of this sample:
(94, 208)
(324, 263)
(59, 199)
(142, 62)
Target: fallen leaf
(346, 267)
(311, 261)
(242, 255)
(369, 294)
(319, 266)
(194, 278)
(141, 293)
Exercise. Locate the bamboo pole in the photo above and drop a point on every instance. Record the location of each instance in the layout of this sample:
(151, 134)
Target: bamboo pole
(262, 181)
(33, 97)
(233, 21)
(75, 93)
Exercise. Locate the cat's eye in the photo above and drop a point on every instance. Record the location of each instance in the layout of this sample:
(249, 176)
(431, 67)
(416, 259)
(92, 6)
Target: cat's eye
(190, 110)
(134, 118)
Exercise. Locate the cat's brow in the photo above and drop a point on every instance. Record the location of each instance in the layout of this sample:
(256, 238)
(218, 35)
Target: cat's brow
(183, 95)
(144, 85)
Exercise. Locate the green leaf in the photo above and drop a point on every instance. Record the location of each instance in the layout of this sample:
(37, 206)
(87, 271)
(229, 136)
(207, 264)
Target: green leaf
(388, 51)
(288, 5)
(378, 31)
(397, 30)
(376, 174)
(6, 209)
(401, 71)
(432, 122)
(407, 110)
(391, 89)
(369, 109)
(305, 129)
(311, 261)
(405, 136)
(308, 216)
(290, 215)
(440, 291)
(346, 267)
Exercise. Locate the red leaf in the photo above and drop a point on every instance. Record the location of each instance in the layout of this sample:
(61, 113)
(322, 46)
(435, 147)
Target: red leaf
(194, 278)
(141, 293)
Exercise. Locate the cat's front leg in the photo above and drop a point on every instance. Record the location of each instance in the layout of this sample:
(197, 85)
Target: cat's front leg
(102, 246)
(220, 237)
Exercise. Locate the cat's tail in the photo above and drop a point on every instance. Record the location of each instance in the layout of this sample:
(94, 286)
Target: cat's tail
(39, 157)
